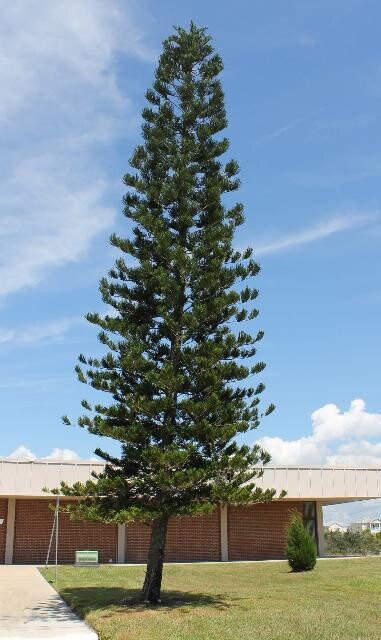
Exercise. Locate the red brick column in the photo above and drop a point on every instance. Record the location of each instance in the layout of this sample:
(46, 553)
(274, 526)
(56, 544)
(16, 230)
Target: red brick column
(3, 527)
(258, 532)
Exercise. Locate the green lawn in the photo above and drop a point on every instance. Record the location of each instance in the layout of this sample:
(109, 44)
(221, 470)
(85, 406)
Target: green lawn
(340, 599)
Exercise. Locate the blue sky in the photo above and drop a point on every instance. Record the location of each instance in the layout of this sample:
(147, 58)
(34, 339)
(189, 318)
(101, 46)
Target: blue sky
(303, 92)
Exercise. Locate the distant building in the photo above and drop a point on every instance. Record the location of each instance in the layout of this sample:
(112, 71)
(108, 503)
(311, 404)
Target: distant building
(374, 526)
(335, 526)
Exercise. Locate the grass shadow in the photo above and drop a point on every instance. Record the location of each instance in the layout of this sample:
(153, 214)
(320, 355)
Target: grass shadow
(86, 599)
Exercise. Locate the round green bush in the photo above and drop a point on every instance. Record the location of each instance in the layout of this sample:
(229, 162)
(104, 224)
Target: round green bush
(301, 547)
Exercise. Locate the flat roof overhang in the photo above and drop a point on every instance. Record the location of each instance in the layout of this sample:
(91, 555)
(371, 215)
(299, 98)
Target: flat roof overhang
(328, 485)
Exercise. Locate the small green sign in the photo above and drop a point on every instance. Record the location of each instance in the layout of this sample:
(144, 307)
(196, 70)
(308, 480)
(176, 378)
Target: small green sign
(86, 557)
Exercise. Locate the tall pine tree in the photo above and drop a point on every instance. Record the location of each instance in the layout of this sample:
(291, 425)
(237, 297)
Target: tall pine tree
(176, 360)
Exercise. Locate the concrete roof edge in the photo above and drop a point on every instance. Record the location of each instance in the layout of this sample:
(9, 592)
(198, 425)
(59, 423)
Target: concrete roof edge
(44, 461)
(300, 467)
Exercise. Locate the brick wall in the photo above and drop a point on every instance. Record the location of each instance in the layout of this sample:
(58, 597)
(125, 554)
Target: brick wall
(259, 531)
(3, 527)
(255, 532)
(33, 527)
(188, 539)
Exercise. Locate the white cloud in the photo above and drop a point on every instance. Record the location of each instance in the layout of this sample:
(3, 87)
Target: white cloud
(61, 105)
(23, 453)
(362, 453)
(317, 232)
(349, 438)
(62, 454)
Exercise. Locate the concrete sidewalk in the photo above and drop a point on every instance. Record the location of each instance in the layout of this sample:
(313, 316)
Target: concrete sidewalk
(31, 608)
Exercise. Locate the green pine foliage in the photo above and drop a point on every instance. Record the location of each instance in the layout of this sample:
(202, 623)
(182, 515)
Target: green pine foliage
(178, 368)
(301, 546)
(349, 543)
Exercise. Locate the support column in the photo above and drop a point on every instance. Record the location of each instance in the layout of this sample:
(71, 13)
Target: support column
(320, 529)
(121, 551)
(10, 535)
(224, 533)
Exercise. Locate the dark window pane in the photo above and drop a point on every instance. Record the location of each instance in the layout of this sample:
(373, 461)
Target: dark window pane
(309, 518)
(310, 526)
(309, 510)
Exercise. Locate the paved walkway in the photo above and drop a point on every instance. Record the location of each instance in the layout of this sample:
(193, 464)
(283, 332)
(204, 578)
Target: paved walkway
(31, 608)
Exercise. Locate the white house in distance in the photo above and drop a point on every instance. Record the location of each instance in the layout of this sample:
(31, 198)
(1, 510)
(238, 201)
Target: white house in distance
(333, 527)
(374, 526)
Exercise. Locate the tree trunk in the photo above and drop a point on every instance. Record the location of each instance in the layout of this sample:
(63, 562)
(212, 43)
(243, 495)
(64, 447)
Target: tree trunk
(152, 583)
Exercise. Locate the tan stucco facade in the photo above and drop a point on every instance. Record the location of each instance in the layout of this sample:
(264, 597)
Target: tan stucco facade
(326, 484)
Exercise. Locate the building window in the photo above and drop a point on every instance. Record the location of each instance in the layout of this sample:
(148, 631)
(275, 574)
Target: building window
(309, 518)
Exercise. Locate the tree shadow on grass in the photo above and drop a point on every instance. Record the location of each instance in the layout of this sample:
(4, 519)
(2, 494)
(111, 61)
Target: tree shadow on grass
(87, 599)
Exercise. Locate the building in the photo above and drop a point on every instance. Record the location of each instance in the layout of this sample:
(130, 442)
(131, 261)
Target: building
(374, 526)
(336, 527)
(229, 533)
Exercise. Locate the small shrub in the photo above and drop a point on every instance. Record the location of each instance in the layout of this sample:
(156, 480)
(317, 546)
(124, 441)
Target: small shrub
(301, 547)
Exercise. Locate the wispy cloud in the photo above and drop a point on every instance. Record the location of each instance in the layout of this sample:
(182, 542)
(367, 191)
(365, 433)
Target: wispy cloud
(306, 40)
(50, 47)
(272, 39)
(49, 220)
(344, 171)
(276, 133)
(32, 385)
(61, 106)
(317, 232)
(41, 333)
